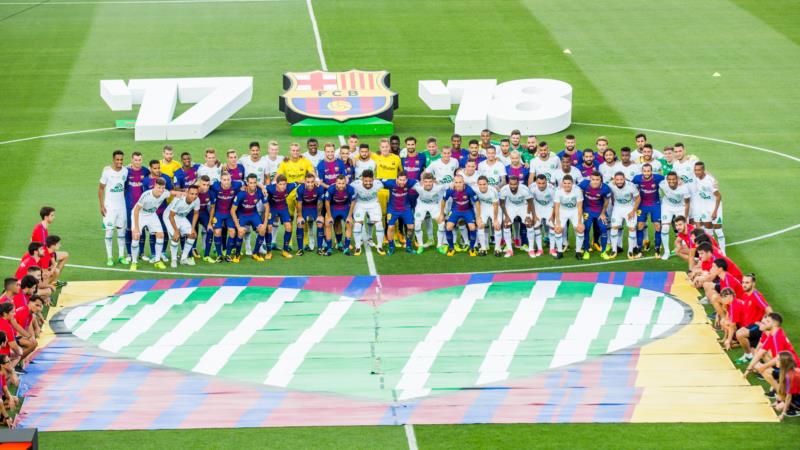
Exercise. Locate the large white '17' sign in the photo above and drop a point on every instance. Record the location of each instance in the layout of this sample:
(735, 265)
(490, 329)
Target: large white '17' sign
(216, 99)
(533, 106)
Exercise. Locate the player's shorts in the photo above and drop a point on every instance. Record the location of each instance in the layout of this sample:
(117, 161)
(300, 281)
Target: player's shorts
(517, 212)
(393, 216)
(340, 214)
(423, 210)
(280, 216)
(653, 212)
(223, 220)
(487, 214)
(309, 214)
(702, 211)
(151, 222)
(253, 220)
(364, 210)
(669, 214)
(115, 218)
(467, 216)
(754, 335)
(620, 216)
(543, 213)
(568, 216)
(184, 226)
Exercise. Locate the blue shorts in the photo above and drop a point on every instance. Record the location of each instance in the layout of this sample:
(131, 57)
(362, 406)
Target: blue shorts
(253, 220)
(280, 216)
(393, 216)
(653, 211)
(309, 214)
(590, 218)
(203, 219)
(340, 213)
(223, 220)
(467, 216)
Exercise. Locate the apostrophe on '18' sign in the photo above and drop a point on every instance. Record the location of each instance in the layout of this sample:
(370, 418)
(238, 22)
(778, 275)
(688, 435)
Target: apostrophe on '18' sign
(533, 106)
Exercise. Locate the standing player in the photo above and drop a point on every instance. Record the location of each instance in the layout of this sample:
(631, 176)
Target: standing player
(568, 209)
(111, 194)
(677, 200)
(432, 150)
(428, 200)
(178, 226)
(515, 141)
(279, 208)
(253, 163)
(339, 205)
(486, 141)
(648, 157)
(707, 201)
(463, 199)
(134, 188)
(610, 165)
(493, 169)
(588, 164)
(329, 167)
(543, 194)
(545, 163)
(473, 154)
(168, 164)
(443, 171)
(515, 202)
(206, 198)
(244, 213)
(456, 151)
(641, 144)
(626, 202)
(349, 168)
(149, 183)
(233, 167)
(575, 155)
(566, 169)
(650, 206)
(399, 207)
(626, 164)
(470, 174)
(274, 160)
(531, 144)
(210, 167)
(186, 175)
(364, 161)
(313, 154)
(223, 195)
(144, 216)
(516, 167)
(667, 160)
(413, 164)
(490, 216)
(596, 197)
(504, 156)
(310, 198)
(366, 206)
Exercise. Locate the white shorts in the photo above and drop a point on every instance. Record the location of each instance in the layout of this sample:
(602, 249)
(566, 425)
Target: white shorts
(520, 212)
(620, 216)
(151, 222)
(487, 214)
(702, 210)
(668, 214)
(115, 218)
(543, 214)
(364, 210)
(570, 216)
(184, 226)
(423, 210)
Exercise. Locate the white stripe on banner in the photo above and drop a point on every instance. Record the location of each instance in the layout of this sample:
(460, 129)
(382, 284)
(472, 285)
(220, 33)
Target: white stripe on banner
(637, 318)
(109, 311)
(416, 371)
(591, 317)
(190, 324)
(671, 314)
(78, 313)
(498, 359)
(220, 353)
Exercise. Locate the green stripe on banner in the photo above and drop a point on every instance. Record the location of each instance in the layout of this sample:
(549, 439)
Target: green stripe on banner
(616, 316)
(124, 316)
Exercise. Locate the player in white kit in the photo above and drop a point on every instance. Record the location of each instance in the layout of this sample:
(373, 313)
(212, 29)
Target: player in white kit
(428, 201)
(566, 169)
(515, 201)
(489, 213)
(112, 205)
(542, 195)
(274, 160)
(144, 216)
(707, 201)
(626, 165)
(470, 174)
(610, 165)
(626, 202)
(493, 169)
(545, 163)
(364, 161)
(444, 172)
(675, 201)
(178, 225)
(367, 208)
(211, 166)
(568, 208)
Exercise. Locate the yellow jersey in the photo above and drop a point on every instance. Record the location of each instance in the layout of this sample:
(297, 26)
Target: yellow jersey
(170, 168)
(387, 167)
(295, 171)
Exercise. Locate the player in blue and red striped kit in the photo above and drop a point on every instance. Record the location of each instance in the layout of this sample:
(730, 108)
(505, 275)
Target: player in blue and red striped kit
(187, 174)
(596, 196)
(310, 200)
(278, 209)
(462, 208)
(233, 167)
(399, 207)
(204, 221)
(134, 188)
(339, 203)
(650, 206)
(223, 195)
(150, 183)
(245, 213)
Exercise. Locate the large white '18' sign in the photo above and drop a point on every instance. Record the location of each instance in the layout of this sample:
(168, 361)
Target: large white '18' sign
(533, 106)
(216, 99)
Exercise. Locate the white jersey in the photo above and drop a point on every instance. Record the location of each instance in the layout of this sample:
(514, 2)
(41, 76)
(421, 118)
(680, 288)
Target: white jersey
(149, 203)
(609, 170)
(548, 167)
(212, 172)
(181, 208)
(432, 197)
(260, 167)
(272, 167)
(496, 172)
(360, 166)
(568, 200)
(685, 171)
(471, 180)
(636, 156)
(559, 175)
(487, 198)
(114, 182)
(630, 171)
(625, 196)
(705, 188)
(506, 160)
(364, 195)
(517, 199)
(655, 164)
(543, 201)
(443, 173)
(315, 159)
(674, 199)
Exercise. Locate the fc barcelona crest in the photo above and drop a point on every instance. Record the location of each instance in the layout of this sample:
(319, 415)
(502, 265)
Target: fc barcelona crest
(337, 95)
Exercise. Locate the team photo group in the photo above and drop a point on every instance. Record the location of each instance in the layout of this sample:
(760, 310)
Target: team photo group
(509, 196)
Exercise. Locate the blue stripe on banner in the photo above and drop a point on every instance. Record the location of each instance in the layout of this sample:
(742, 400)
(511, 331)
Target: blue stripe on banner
(194, 282)
(398, 414)
(619, 278)
(294, 282)
(358, 286)
(236, 282)
(476, 278)
(572, 396)
(70, 397)
(257, 415)
(45, 360)
(121, 396)
(483, 408)
(550, 276)
(603, 277)
(141, 285)
(188, 396)
(615, 377)
(553, 400)
(654, 281)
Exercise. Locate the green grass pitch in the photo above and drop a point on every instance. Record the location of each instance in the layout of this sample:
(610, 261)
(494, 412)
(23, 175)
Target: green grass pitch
(637, 64)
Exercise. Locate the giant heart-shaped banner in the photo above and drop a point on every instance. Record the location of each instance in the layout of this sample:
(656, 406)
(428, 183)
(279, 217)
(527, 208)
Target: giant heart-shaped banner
(428, 343)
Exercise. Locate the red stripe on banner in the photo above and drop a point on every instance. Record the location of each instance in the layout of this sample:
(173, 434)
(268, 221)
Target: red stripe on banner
(670, 281)
(222, 396)
(524, 400)
(590, 277)
(372, 81)
(93, 395)
(312, 105)
(352, 80)
(342, 82)
(362, 80)
(155, 395)
(266, 282)
(332, 285)
(444, 409)
(521, 276)
(323, 410)
(207, 282)
(125, 288)
(634, 279)
(163, 284)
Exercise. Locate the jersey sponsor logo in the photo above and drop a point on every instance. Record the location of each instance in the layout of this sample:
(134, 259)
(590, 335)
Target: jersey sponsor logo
(337, 95)
(119, 187)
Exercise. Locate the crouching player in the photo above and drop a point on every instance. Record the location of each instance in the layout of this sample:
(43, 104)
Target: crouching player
(367, 209)
(489, 216)
(206, 225)
(144, 216)
(245, 214)
(515, 201)
(309, 211)
(429, 197)
(339, 205)
(568, 208)
(626, 203)
(463, 206)
(178, 225)
(399, 207)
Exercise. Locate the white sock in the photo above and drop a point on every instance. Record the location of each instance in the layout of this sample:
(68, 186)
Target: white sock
(429, 222)
(720, 239)
(631, 240)
(564, 240)
(418, 234)
(498, 238)
(173, 249)
(578, 241)
(552, 235)
(482, 238)
(379, 234)
(135, 251)
(665, 238)
(440, 235)
(357, 238)
(537, 238)
(187, 248)
(531, 237)
(159, 248)
(613, 239)
(109, 238)
(507, 237)
(121, 242)
(559, 238)
(248, 246)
